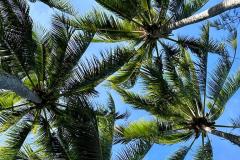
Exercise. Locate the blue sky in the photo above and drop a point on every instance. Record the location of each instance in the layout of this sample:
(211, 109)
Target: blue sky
(222, 149)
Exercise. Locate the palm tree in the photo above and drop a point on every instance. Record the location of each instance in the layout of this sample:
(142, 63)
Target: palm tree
(85, 133)
(46, 83)
(183, 98)
(145, 24)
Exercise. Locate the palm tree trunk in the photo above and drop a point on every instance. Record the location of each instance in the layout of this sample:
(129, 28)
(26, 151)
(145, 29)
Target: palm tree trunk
(9, 82)
(211, 12)
(232, 138)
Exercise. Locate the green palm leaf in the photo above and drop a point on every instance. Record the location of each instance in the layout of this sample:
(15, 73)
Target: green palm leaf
(204, 152)
(27, 153)
(126, 9)
(77, 129)
(174, 138)
(10, 118)
(16, 37)
(236, 122)
(106, 128)
(137, 101)
(107, 27)
(180, 154)
(48, 143)
(230, 87)
(180, 9)
(88, 75)
(138, 130)
(15, 139)
(230, 84)
(62, 5)
(149, 131)
(128, 70)
(134, 150)
(67, 48)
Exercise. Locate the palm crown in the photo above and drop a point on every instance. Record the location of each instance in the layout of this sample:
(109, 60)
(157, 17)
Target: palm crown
(146, 24)
(184, 101)
(46, 85)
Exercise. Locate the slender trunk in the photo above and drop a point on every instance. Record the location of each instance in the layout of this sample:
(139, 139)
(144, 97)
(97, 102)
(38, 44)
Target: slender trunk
(231, 137)
(211, 12)
(9, 82)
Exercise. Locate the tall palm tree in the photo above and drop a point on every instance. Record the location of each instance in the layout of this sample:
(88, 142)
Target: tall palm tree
(144, 23)
(184, 99)
(45, 80)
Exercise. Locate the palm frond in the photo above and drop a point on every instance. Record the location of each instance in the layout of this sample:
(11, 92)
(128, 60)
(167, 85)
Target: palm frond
(175, 8)
(153, 131)
(124, 9)
(9, 99)
(204, 152)
(88, 75)
(175, 82)
(175, 137)
(67, 48)
(164, 87)
(62, 5)
(170, 70)
(125, 115)
(107, 27)
(231, 86)
(159, 89)
(137, 101)
(180, 154)
(134, 150)
(130, 69)
(227, 21)
(27, 153)
(47, 142)
(162, 7)
(219, 76)
(236, 122)
(232, 39)
(42, 37)
(188, 71)
(182, 9)
(191, 43)
(10, 118)
(15, 139)
(78, 130)
(106, 128)
(203, 62)
(144, 130)
(16, 37)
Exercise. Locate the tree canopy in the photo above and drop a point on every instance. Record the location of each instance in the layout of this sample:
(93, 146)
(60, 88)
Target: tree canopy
(48, 80)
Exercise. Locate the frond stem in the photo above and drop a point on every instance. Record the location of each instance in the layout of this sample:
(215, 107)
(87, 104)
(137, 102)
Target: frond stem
(224, 126)
(10, 108)
(12, 52)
